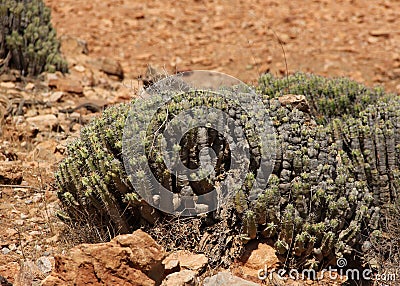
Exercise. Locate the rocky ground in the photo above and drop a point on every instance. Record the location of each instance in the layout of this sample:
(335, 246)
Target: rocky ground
(110, 43)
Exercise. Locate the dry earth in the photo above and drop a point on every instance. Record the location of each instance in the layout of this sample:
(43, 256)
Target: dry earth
(359, 39)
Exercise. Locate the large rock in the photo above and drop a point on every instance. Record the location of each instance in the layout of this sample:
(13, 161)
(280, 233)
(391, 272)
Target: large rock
(130, 259)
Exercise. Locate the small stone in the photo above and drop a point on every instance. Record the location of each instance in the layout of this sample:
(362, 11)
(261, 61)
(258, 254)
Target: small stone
(44, 264)
(145, 56)
(31, 113)
(108, 66)
(295, 100)
(10, 172)
(188, 260)
(171, 266)
(11, 232)
(29, 86)
(19, 222)
(79, 68)
(226, 278)
(44, 151)
(132, 257)
(380, 33)
(56, 96)
(182, 278)
(372, 40)
(51, 76)
(7, 84)
(66, 84)
(34, 233)
(43, 121)
(5, 250)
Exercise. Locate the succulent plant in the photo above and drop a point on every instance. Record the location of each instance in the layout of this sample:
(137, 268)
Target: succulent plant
(27, 39)
(329, 185)
(327, 98)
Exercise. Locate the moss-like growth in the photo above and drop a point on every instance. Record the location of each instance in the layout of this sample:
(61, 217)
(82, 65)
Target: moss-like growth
(329, 185)
(27, 39)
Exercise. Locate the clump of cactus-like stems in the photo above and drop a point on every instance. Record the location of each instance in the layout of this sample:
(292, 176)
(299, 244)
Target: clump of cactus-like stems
(28, 41)
(335, 172)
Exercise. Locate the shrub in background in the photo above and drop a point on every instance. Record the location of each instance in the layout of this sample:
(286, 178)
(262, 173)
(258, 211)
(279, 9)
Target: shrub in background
(28, 41)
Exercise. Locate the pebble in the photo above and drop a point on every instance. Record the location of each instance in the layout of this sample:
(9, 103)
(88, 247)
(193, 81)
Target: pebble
(29, 86)
(79, 68)
(44, 264)
(5, 250)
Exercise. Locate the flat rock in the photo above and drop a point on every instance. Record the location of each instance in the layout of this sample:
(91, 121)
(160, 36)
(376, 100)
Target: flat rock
(43, 121)
(380, 33)
(171, 266)
(56, 96)
(182, 278)
(66, 84)
(226, 278)
(261, 257)
(7, 84)
(187, 260)
(295, 100)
